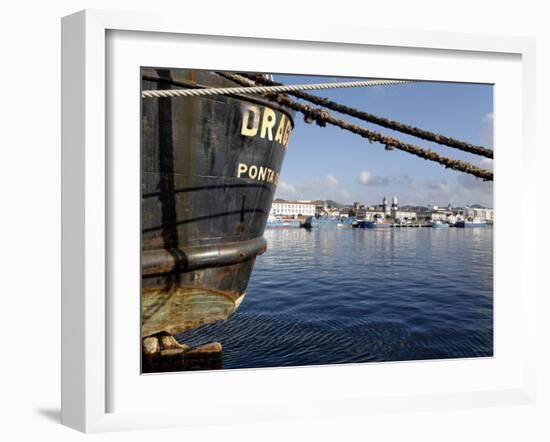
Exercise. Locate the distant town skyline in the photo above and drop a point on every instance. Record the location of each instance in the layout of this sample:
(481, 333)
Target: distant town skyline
(329, 163)
(375, 203)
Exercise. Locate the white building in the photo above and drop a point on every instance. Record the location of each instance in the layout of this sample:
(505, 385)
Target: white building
(292, 208)
(482, 213)
(371, 214)
(439, 215)
(404, 215)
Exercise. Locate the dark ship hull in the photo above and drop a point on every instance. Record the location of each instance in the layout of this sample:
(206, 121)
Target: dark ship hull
(209, 170)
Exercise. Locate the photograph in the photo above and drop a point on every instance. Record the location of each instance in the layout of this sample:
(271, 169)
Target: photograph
(302, 220)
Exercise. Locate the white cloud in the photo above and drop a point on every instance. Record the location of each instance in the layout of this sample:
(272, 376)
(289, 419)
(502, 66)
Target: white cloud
(364, 177)
(465, 189)
(488, 117)
(459, 190)
(326, 187)
(443, 187)
(404, 180)
(286, 188)
(486, 134)
(330, 181)
(368, 179)
(486, 163)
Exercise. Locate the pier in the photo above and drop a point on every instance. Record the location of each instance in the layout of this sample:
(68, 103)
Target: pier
(412, 225)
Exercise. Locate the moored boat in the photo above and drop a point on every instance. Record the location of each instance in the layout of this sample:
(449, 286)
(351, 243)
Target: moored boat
(438, 224)
(345, 223)
(306, 223)
(376, 224)
(476, 222)
(282, 223)
(210, 167)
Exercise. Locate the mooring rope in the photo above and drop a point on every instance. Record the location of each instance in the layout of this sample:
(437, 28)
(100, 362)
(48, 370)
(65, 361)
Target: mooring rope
(162, 93)
(380, 121)
(322, 117)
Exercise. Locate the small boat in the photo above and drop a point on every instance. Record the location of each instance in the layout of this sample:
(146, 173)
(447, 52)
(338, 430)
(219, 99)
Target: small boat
(325, 221)
(282, 223)
(438, 224)
(376, 224)
(476, 222)
(306, 223)
(344, 225)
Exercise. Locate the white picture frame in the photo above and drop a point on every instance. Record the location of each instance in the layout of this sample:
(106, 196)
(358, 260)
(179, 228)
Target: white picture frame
(89, 322)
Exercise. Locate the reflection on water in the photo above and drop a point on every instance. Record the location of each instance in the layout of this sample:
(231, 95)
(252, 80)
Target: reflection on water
(354, 295)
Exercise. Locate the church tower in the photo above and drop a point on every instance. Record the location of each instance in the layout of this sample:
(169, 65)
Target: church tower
(394, 207)
(385, 206)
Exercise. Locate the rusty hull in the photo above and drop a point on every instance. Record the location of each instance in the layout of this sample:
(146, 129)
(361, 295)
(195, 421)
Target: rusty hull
(202, 220)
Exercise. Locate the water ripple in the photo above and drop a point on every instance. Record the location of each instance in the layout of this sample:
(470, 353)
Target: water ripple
(351, 295)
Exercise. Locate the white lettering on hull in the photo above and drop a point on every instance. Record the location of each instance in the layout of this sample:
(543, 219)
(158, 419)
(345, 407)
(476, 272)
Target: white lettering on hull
(253, 115)
(257, 173)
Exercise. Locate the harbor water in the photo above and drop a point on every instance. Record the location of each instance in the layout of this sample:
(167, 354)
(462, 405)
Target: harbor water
(341, 295)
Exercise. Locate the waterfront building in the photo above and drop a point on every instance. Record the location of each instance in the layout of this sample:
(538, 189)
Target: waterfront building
(453, 214)
(479, 212)
(372, 214)
(333, 212)
(292, 208)
(405, 215)
(321, 208)
(440, 214)
(384, 210)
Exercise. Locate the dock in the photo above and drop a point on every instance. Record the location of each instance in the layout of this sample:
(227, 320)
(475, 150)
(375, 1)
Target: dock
(412, 225)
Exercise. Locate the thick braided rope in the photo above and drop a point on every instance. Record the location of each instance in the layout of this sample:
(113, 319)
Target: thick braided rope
(161, 93)
(322, 117)
(381, 121)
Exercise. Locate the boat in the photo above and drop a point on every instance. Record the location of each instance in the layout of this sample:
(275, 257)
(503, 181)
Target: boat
(282, 223)
(329, 221)
(345, 223)
(438, 224)
(209, 170)
(376, 224)
(306, 222)
(476, 222)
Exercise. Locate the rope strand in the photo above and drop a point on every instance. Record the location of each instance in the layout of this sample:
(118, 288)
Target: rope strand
(163, 93)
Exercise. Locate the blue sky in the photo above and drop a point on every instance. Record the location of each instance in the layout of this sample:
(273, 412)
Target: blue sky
(330, 163)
